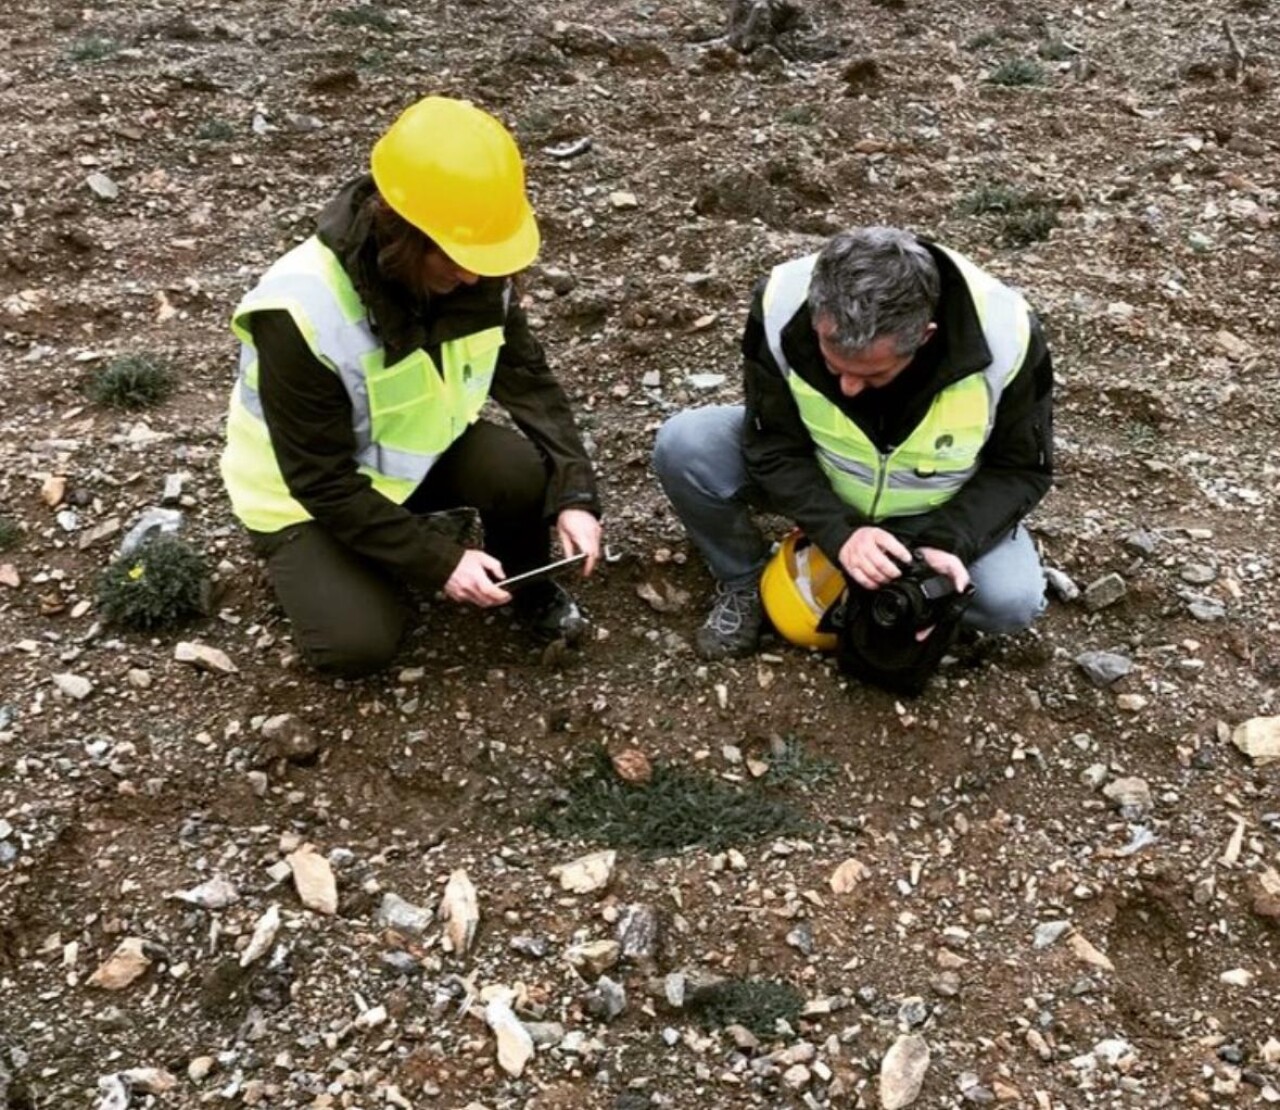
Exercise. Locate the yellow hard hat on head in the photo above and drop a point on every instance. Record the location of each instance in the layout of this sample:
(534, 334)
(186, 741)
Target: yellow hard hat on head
(455, 173)
(798, 586)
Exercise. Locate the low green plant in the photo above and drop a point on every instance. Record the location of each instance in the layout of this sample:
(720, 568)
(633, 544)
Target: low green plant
(1018, 71)
(756, 1004)
(803, 114)
(132, 382)
(790, 764)
(215, 131)
(982, 40)
(1029, 224)
(676, 808)
(159, 585)
(371, 18)
(10, 533)
(992, 198)
(92, 48)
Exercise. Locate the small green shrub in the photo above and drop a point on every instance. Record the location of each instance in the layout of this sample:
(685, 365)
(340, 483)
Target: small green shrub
(92, 48)
(157, 586)
(10, 533)
(791, 765)
(675, 809)
(1018, 71)
(215, 131)
(992, 198)
(131, 382)
(982, 40)
(371, 18)
(803, 114)
(1029, 225)
(756, 1004)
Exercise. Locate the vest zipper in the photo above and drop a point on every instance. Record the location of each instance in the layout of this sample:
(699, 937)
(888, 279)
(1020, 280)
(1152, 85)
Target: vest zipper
(882, 472)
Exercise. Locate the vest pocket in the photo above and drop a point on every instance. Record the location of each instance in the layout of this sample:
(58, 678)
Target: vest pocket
(399, 387)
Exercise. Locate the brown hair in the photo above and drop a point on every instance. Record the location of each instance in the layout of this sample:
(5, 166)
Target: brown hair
(401, 248)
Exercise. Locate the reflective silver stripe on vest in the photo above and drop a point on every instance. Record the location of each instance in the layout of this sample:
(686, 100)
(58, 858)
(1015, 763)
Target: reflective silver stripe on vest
(343, 345)
(847, 466)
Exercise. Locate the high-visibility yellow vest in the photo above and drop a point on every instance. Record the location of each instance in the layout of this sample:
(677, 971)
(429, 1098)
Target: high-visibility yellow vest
(941, 453)
(404, 416)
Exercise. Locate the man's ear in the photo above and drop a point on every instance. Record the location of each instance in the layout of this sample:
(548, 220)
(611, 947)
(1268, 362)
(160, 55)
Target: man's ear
(930, 330)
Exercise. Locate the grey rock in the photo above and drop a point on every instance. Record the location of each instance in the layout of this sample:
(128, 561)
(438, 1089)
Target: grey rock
(1198, 574)
(1104, 667)
(1206, 610)
(1104, 591)
(545, 1032)
(639, 932)
(913, 1012)
(102, 186)
(651, 379)
(801, 938)
(1050, 932)
(152, 522)
(74, 686)
(404, 917)
(705, 383)
(606, 1000)
(535, 948)
(173, 485)
(1061, 584)
(289, 737)
(1141, 542)
(401, 963)
(946, 984)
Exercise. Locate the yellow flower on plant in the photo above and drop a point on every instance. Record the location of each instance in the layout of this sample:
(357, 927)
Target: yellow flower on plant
(135, 572)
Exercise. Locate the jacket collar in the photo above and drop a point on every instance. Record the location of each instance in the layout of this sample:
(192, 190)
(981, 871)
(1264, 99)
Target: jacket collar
(401, 320)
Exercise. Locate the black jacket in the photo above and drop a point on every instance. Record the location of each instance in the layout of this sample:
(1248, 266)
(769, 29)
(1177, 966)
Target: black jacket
(308, 414)
(1015, 467)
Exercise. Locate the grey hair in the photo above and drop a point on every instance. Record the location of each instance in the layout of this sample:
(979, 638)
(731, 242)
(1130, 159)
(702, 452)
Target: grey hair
(873, 282)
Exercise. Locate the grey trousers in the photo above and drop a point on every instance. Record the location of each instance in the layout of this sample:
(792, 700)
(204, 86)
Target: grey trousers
(698, 460)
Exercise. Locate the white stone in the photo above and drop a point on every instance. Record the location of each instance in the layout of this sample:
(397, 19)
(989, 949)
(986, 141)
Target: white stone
(460, 912)
(313, 879)
(587, 873)
(902, 1072)
(515, 1045)
(1259, 739)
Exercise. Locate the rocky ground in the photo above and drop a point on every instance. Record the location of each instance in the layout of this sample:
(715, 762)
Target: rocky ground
(1050, 882)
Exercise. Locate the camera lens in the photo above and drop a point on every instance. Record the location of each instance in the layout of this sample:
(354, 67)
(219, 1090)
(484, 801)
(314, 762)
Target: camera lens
(889, 607)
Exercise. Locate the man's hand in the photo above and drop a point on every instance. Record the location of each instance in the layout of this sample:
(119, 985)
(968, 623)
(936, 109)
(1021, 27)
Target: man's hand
(579, 533)
(868, 557)
(946, 563)
(472, 580)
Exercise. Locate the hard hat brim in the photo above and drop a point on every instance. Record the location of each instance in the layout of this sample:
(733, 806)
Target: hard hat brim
(510, 256)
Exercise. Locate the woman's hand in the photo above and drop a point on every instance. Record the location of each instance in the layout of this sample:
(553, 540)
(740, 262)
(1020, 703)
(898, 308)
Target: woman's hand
(579, 533)
(472, 580)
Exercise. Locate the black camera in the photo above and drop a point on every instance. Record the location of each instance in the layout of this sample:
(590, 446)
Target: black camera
(918, 599)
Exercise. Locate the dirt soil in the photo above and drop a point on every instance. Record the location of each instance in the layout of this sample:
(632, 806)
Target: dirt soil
(978, 811)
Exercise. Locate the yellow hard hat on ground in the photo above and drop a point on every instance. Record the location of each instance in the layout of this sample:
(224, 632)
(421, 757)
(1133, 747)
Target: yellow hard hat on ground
(455, 173)
(798, 586)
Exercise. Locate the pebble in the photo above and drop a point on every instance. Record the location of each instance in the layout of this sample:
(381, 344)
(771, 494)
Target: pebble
(705, 383)
(1236, 977)
(290, 738)
(199, 1068)
(1198, 574)
(797, 1077)
(848, 875)
(902, 1072)
(263, 937)
(1206, 610)
(623, 200)
(404, 917)
(215, 894)
(102, 186)
(73, 686)
(1131, 796)
(594, 957)
(460, 911)
(1131, 703)
(204, 658)
(1061, 584)
(515, 1044)
(1050, 932)
(535, 948)
(124, 966)
(1103, 592)
(1259, 739)
(545, 1032)
(587, 874)
(913, 1012)
(1104, 667)
(606, 1000)
(313, 879)
(801, 938)
(639, 932)
(946, 984)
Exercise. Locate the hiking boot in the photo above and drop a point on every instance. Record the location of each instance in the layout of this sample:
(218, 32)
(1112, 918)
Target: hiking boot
(732, 628)
(549, 610)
